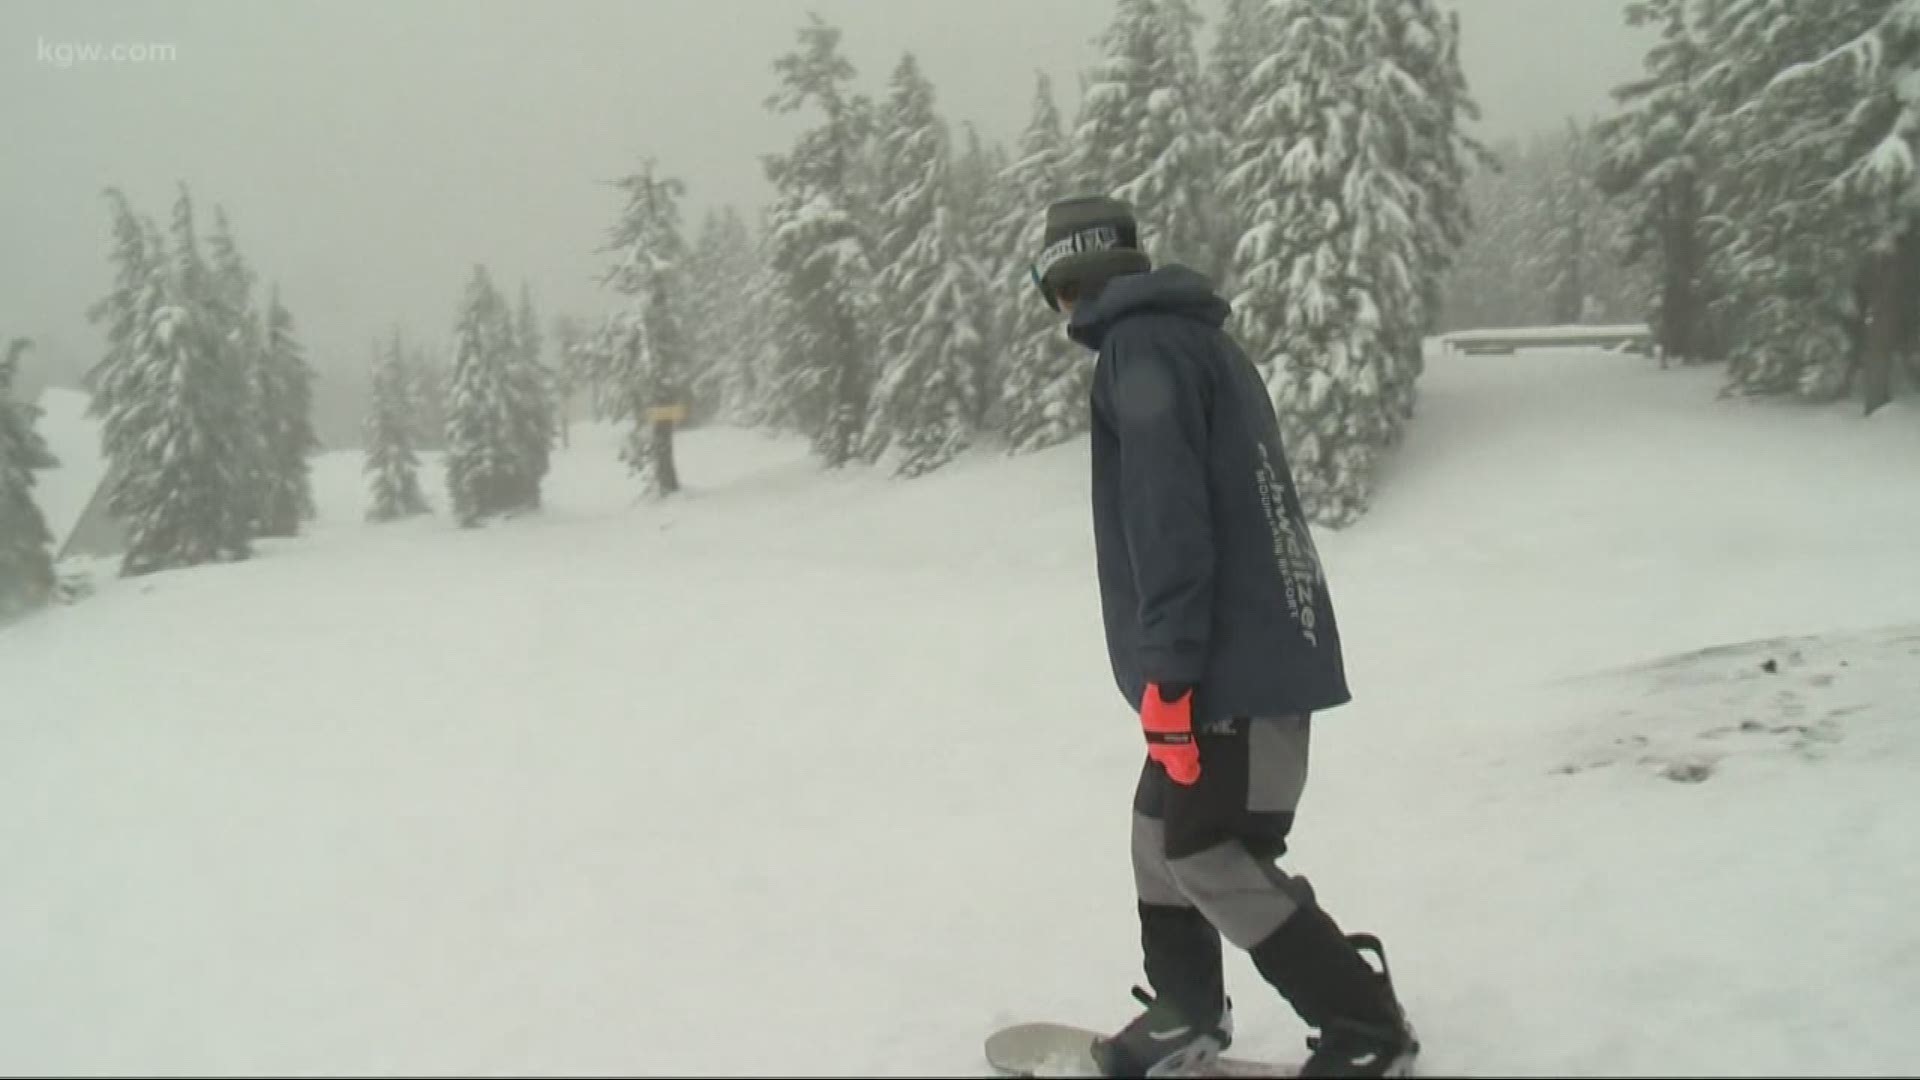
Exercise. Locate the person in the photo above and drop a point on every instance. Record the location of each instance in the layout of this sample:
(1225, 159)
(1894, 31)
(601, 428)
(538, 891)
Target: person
(1223, 641)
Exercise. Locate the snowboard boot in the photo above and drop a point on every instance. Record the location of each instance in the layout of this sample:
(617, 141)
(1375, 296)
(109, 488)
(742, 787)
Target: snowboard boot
(1162, 1042)
(1360, 1027)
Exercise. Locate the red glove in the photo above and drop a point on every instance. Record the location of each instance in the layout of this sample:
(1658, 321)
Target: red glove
(1168, 723)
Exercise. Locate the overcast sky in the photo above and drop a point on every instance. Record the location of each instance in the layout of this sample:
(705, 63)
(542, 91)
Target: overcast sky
(370, 151)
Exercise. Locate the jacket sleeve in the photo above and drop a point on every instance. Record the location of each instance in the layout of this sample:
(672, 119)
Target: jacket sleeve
(1160, 418)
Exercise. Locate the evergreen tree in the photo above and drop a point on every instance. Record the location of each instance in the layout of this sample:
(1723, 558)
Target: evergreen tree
(1538, 220)
(567, 336)
(925, 401)
(389, 431)
(722, 294)
(1347, 226)
(820, 249)
(1651, 165)
(767, 315)
(174, 399)
(638, 358)
(241, 334)
(1146, 131)
(1242, 39)
(486, 469)
(26, 562)
(978, 209)
(926, 396)
(1815, 132)
(1044, 394)
(429, 388)
(532, 388)
(285, 400)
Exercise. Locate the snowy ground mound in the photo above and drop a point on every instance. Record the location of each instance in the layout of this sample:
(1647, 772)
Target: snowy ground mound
(823, 774)
(1690, 717)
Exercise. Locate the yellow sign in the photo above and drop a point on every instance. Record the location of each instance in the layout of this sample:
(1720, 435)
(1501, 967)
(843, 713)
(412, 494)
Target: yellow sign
(670, 414)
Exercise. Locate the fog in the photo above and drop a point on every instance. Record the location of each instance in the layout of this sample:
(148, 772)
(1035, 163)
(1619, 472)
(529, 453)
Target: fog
(368, 152)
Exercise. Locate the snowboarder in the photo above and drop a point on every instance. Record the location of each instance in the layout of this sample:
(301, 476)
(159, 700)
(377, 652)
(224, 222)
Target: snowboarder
(1223, 640)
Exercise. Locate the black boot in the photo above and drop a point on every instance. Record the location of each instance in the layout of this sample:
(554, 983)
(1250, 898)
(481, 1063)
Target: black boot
(1360, 1027)
(1188, 1018)
(1163, 1041)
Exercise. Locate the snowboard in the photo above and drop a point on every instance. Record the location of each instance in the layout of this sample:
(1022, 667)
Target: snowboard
(1044, 1048)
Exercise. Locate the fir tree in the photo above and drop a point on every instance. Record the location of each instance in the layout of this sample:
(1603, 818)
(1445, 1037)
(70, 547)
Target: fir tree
(1651, 165)
(389, 432)
(26, 562)
(1044, 394)
(721, 284)
(1146, 131)
(240, 332)
(429, 388)
(531, 389)
(978, 210)
(485, 466)
(285, 400)
(1815, 132)
(1332, 268)
(567, 336)
(638, 359)
(1241, 41)
(174, 429)
(820, 248)
(925, 401)
(926, 396)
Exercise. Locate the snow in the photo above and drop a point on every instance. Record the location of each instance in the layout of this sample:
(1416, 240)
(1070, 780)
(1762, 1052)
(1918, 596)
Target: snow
(816, 773)
(62, 492)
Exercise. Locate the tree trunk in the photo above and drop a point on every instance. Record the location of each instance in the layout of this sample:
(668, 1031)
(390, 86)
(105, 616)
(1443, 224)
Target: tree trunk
(1891, 286)
(664, 471)
(1680, 314)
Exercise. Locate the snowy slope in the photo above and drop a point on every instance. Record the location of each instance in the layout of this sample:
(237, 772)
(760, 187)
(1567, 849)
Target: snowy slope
(824, 774)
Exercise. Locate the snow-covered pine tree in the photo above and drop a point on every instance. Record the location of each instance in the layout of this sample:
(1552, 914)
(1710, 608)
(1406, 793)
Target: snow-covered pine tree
(1146, 132)
(1573, 239)
(241, 333)
(123, 314)
(531, 387)
(977, 211)
(485, 469)
(638, 359)
(820, 250)
(285, 398)
(727, 286)
(430, 389)
(389, 432)
(568, 333)
(1814, 128)
(1650, 165)
(1421, 76)
(703, 317)
(1328, 248)
(1047, 379)
(768, 315)
(1241, 40)
(1520, 239)
(925, 397)
(175, 426)
(26, 559)
(924, 402)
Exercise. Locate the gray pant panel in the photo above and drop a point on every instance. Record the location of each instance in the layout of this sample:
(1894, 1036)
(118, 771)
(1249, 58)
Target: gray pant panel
(1244, 896)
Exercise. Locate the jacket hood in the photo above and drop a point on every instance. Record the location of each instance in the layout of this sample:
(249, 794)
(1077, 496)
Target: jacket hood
(1172, 290)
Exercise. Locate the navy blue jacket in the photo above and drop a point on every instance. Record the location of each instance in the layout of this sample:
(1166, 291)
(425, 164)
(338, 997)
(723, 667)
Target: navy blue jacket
(1208, 572)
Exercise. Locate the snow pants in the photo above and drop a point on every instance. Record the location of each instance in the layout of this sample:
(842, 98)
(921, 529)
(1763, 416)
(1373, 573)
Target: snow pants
(1205, 856)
